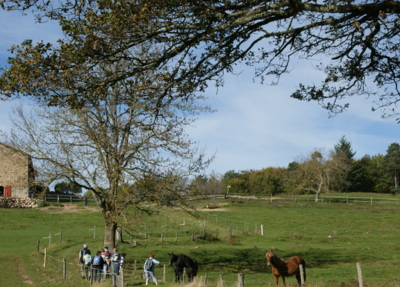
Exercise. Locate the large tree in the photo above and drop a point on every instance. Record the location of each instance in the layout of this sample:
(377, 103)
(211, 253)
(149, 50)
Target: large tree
(200, 40)
(124, 146)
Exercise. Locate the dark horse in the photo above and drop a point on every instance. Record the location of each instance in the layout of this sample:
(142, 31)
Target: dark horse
(181, 261)
(284, 268)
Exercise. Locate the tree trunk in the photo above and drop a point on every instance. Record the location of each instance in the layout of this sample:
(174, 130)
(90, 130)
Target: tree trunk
(320, 185)
(110, 227)
(118, 235)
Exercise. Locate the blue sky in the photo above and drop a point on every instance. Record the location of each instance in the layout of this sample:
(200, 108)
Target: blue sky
(255, 126)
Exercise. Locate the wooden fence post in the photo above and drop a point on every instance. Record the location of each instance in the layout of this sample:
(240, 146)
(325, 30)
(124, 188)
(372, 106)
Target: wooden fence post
(301, 274)
(262, 229)
(222, 281)
(44, 260)
(64, 268)
(241, 280)
(164, 272)
(38, 246)
(229, 233)
(360, 279)
(94, 232)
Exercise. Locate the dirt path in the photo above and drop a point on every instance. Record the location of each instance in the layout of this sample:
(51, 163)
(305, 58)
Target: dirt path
(69, 208)
(21, 272)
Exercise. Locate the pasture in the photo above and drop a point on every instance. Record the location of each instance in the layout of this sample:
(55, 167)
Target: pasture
(224, 236)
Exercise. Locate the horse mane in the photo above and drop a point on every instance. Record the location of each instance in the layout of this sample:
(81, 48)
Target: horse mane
(277, 262)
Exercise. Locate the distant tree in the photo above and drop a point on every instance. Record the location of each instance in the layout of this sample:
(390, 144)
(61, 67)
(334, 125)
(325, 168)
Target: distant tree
(343, 149)
(67, 187)
(267, 181)
(367, 175)
(207, 186)
(310, 175)
(340, 163)
(392, 163)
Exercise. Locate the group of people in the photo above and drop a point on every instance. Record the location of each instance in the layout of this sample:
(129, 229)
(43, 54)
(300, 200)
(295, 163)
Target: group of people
(107, 262)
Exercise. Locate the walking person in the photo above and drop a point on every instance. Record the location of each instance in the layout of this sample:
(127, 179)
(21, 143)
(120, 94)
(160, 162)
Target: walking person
(87, 262)
(107, 259)
(97, 265)
(148, 268)
(115, 265)
(82, 253)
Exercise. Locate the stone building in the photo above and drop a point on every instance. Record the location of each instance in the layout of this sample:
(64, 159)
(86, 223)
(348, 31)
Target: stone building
(16, 172)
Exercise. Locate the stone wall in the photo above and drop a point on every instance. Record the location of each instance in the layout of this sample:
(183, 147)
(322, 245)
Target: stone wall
(15, 170)
(14, 202)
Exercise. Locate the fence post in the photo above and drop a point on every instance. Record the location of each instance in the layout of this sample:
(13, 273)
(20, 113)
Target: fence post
(94, 232)
(122, 276)
(301, 274)
(164, 273)
(241, 280)
(360, 279)
(229, 233)
(91, 275)
(44, 260)
(64, 268)
(222, 281)
(262, 229)
(38, 246)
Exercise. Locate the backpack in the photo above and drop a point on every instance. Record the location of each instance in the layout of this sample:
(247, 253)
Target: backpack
(96, 260)
(88, 259)
(83, 253)
(116, 257)
(107, 254)
(149, 264)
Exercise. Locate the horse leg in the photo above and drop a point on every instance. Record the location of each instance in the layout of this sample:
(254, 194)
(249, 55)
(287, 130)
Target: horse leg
(283, 281)
(180, 276)
(298, 277)
(276, 278)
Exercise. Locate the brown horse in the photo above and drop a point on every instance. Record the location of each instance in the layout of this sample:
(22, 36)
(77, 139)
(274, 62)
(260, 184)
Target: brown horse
(284, 268)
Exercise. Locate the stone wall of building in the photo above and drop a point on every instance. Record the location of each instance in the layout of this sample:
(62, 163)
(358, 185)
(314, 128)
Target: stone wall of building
(14, 202)
(15, 170)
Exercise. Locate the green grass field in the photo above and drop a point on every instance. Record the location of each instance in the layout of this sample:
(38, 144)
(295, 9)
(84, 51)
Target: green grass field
(331, 237)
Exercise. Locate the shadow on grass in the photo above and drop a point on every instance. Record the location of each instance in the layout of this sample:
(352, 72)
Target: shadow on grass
(253, 260)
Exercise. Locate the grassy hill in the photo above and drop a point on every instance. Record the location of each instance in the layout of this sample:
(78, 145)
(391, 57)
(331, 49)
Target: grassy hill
(223, 235)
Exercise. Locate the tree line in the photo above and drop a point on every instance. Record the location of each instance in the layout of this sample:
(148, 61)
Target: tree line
(317, 173)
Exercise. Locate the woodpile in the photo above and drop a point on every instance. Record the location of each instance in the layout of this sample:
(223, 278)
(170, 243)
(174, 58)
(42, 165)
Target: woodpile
(15, 202)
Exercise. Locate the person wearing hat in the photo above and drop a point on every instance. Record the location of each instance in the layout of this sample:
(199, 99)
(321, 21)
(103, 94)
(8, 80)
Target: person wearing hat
(149, 268)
